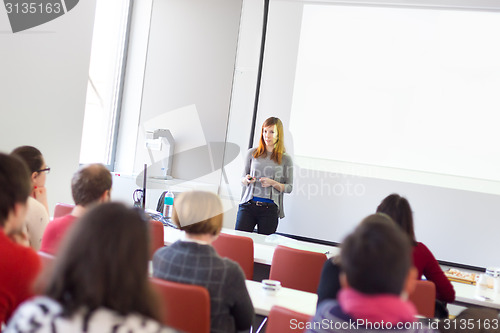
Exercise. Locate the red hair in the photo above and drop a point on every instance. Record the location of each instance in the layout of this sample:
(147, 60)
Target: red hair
(279, 146)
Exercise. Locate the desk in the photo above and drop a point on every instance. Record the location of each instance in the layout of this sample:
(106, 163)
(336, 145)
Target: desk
(263, 247)
(292, 299)
(264, 250)
(466, 296)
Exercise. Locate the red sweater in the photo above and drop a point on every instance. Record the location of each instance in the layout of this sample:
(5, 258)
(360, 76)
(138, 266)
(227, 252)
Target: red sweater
(19, 266)
(54, 233)
(428, 266)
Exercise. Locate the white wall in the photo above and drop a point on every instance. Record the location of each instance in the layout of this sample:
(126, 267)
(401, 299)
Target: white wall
(133, 85)
(242, 103)
(179, 77)
(43, 86)
(458, 225)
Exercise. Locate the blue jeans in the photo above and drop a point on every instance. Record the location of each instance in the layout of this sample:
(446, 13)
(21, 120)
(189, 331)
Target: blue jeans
(252, 213)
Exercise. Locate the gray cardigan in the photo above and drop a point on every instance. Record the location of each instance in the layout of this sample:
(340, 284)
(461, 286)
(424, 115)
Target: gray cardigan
(231, 308)
(265, 167)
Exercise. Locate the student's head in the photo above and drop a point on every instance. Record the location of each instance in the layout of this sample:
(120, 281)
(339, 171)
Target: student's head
(198, 213)
(35, 162)
(376, 257)
(398, 208)
(91, 184)
(272, 129)
(15, 187)
(103, 262)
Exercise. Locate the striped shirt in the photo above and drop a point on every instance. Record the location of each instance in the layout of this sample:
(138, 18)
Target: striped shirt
(43, 315)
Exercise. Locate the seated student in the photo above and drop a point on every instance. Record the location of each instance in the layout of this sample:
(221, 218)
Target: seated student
(398, 208)
(100, 280)
(19, 264)
(194, 261)
(329, 283)
(89, 185)
(376, 276)
(37, 216)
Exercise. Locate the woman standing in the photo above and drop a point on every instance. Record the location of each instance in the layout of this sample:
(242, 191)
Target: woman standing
(267, 175)
(37, 216)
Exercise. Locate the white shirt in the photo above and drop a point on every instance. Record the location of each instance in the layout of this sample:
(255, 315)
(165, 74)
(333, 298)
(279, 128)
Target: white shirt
(36, 220)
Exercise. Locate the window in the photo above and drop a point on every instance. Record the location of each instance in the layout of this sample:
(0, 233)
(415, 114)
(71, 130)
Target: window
(102, 111)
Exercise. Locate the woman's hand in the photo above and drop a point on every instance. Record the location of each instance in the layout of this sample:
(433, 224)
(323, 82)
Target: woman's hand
(247, 180)
(266, 182)
(40, 194)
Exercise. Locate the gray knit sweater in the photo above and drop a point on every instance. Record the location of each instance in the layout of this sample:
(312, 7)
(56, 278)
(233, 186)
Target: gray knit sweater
(189, 262)
(265, 167)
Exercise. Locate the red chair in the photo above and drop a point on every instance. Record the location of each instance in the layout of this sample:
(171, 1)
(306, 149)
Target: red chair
(236, 248)
(62, 209)
(155, 236)
(47, 260)
(297, 269)
(186, 306)
(424, 298)
(283, 320)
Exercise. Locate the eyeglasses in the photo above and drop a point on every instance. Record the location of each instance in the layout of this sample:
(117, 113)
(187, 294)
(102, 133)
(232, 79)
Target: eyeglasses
(46, 170)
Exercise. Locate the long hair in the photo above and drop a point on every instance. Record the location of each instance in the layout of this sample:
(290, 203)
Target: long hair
(31, 155)
(103, 262)
(279, 146)
(398, 208)
(15, 185)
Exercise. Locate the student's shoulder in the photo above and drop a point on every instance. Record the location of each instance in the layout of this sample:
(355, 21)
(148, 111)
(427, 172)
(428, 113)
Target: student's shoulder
(132, 322)
(250, 152)
(422, 249)
(33, 315)
(287, 158)
(326, 307)
(60, 222)
(233, 272)
(232, 266)
(167, 251)
(35, 206)
(26, 255)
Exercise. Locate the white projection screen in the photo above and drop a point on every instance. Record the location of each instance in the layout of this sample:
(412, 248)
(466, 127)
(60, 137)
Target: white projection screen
(381, 99)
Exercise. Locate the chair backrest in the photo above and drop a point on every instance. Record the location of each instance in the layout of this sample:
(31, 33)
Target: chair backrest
(236, 248)
(283, 320)
(424, 298)
(47, 260)
(155, 236)
(62, 209)
(297, 269)
(186, 306)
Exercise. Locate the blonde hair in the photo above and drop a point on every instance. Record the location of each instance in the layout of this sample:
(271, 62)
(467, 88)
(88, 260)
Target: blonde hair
(279, 146)
(198, 212)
